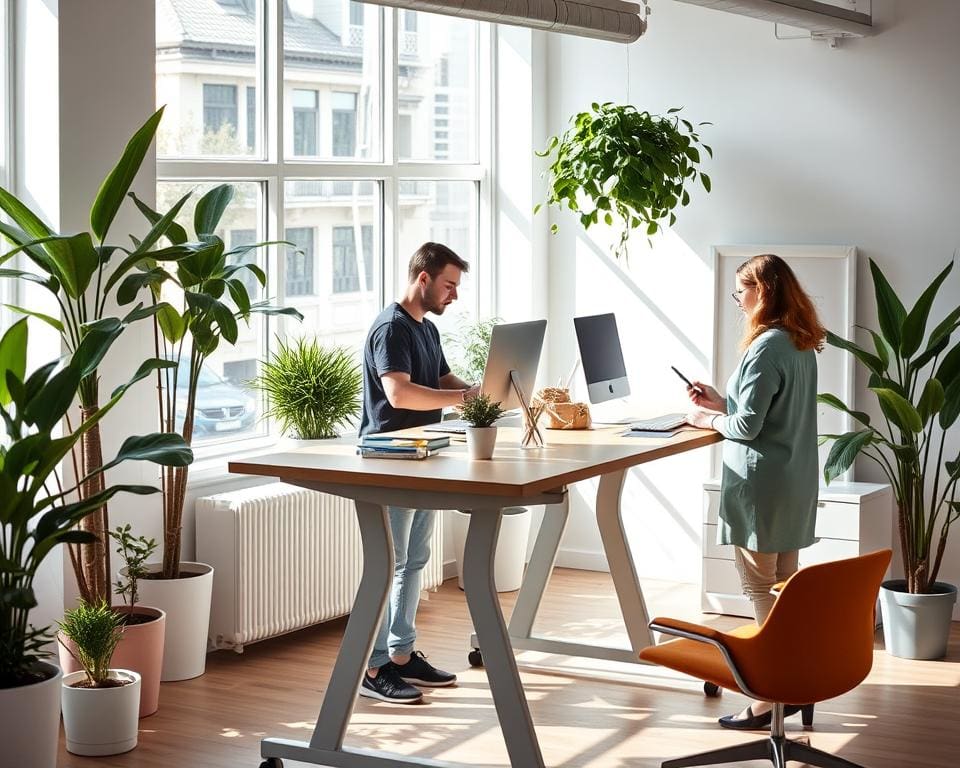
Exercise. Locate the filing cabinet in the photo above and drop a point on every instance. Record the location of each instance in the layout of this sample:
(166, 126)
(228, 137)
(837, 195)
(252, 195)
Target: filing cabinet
(852, 519)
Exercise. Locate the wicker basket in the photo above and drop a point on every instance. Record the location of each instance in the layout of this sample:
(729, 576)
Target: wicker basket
(560, 412)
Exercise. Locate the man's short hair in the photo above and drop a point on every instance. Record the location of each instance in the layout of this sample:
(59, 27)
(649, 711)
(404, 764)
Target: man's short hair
(432, 258)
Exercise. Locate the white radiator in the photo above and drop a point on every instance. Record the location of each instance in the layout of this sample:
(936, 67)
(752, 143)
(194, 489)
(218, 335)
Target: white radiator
(284, 558)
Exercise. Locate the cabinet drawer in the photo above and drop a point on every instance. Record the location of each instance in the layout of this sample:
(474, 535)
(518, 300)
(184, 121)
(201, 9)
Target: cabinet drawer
(836, 520)
(828, 549)
(710, 546)
(721, 576)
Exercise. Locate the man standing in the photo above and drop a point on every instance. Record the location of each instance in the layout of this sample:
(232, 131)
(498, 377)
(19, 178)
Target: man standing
(407, 383)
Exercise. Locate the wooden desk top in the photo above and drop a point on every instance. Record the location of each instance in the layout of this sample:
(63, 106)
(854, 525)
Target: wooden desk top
(568, 457)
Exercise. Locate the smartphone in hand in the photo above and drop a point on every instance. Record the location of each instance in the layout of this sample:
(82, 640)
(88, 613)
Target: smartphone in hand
(686, 381)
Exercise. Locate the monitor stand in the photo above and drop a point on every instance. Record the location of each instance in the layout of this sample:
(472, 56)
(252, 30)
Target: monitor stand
(529, 414)
(619, 411)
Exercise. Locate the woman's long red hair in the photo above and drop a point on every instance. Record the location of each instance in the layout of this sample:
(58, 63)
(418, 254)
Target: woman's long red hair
(781, 303)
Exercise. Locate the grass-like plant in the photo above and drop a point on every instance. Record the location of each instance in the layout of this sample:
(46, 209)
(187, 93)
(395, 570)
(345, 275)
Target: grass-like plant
(630, 165)
(95, 631)
(480, 411)
(134, 551)
(468, 347)
(312, 390)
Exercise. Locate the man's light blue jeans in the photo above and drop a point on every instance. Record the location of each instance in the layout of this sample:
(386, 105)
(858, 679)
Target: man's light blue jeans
(411, 529)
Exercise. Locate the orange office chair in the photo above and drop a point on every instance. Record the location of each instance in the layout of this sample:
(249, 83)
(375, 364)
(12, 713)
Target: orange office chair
(816, 643)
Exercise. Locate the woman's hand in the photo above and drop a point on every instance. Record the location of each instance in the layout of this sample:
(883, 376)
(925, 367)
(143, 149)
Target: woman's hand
(701, 419)
(706, 397)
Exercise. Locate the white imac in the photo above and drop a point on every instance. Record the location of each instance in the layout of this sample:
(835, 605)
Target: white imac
(601, 357)
(514, 347)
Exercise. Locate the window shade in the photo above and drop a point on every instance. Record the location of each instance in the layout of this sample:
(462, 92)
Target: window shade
(614, 20)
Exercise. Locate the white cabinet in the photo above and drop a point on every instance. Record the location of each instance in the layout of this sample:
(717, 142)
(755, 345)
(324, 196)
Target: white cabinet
(852, 519)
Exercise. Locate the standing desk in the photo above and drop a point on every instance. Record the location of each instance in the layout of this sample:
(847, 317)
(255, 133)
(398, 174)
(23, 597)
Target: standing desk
(514, 477)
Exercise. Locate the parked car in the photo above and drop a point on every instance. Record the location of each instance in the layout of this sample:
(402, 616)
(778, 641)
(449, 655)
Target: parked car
(220, 407)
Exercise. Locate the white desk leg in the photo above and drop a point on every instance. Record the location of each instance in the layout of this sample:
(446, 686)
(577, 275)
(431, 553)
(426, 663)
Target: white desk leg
(537, 575)
(508, 697)
(615, 546)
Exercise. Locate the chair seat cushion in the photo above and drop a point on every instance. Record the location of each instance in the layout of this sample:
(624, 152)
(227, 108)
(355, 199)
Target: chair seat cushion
(701, 660)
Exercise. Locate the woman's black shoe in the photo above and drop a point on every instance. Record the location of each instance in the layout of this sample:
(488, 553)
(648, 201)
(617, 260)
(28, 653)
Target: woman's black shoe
(758, 722)
(751, 723)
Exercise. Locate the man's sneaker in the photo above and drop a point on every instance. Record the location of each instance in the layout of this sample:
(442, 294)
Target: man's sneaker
(387, 686)
(421, 672)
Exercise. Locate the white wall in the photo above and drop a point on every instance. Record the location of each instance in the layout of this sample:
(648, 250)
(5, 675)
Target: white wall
(848, 146)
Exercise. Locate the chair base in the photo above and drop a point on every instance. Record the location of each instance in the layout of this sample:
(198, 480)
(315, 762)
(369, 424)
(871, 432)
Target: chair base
(777, 749)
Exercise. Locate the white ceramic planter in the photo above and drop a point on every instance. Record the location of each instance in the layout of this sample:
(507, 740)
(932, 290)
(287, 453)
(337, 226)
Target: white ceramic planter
(186, 601)
(481, 442)
(511, 555)
(916, 626)
(30, 721)
(101, 721)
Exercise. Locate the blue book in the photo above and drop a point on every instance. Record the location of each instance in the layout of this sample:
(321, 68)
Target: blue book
(390, 442)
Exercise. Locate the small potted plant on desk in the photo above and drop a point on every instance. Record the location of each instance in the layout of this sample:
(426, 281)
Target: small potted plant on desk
(100, 705)
(480, 413)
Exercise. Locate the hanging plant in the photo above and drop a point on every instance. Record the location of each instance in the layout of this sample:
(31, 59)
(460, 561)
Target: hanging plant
(616, 162)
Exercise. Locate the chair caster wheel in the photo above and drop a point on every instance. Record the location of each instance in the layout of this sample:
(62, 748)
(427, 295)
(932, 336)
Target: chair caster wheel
(475, 658)
(272, 762)
(711, 690)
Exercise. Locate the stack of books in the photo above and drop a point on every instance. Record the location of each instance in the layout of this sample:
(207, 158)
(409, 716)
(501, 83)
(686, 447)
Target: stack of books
(387, 447)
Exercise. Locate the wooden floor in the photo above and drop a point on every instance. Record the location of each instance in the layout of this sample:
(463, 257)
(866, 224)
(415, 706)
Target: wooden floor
(905, 715)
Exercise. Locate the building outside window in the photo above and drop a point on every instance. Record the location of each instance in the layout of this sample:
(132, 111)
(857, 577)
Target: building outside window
(354, 210)
(305, 122)
(299, 277)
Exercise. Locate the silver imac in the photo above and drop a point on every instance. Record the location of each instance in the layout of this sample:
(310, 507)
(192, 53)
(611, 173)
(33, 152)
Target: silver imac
(601, 357)
(513, 347)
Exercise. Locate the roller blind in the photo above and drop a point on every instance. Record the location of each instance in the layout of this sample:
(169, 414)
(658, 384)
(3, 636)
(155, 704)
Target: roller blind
(615, 20)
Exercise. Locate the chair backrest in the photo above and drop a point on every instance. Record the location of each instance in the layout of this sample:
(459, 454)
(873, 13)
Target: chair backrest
(817, 641)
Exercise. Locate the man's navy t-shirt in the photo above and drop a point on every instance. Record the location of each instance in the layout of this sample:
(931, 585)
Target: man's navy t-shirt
(397, 342)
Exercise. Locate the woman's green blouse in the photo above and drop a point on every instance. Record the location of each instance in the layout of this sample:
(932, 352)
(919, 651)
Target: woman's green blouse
(768, 493)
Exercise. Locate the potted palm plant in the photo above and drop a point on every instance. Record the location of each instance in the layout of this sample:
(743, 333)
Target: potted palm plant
(311, 390)
(100, 704)
(468, 346)
(620, 164)
(208, 297)
(917, 387)
(86, 276)
(36, 514)
(481, 413)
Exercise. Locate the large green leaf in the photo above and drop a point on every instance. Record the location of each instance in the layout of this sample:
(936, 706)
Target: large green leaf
(115, 186)
(133, 283)
(173, 325)
(162, 226)
(890, 309)
(915, 324)
(146, 368)
(871, 361)
(946, 327)
(844, 451)
(13, 356)
(899, 410)
(931, 400)
(263, 308)
(833, 401)
(165, 448)
(951, 405)
(97, 339)
(210, 209)
(54, 399)
(31, 225)
(175, 233)
(949, 370)
(51, 321)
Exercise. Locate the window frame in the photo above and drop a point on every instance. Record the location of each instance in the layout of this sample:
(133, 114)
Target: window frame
(9, 289)
(269, 167)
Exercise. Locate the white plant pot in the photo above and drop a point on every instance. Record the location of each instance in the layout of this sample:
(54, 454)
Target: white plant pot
(481, 442)
(186, 602)
(511, 555)
(101, 721)
(30, 721)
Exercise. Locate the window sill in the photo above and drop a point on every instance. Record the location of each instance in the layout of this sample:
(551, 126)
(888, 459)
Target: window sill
(210, 471)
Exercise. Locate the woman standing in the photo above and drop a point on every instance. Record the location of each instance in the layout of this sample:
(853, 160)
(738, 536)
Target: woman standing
(768, 493)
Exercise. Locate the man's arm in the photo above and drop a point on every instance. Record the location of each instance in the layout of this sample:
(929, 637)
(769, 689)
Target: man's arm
(403, 393)
(452, 381)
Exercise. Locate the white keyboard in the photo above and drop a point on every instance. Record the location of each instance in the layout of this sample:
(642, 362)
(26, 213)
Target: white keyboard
(666, 423)
(450, 426)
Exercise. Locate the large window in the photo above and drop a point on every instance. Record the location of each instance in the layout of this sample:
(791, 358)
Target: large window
(285, 100)
(8, 286)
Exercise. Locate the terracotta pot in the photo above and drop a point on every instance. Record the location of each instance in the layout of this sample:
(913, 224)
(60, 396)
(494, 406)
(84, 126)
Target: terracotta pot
(140, 650)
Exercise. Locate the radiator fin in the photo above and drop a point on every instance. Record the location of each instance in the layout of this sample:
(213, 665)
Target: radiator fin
(284, 558)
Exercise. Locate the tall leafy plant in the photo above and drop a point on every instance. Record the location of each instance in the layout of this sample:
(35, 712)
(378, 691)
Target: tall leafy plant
(83, 274)
(469, 345)
(210, 300)
(917, 387)
(616, 162)
(36, 511)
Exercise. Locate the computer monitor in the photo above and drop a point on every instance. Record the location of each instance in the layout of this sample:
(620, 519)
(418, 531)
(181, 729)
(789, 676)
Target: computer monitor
(513, 347)
(601, 357)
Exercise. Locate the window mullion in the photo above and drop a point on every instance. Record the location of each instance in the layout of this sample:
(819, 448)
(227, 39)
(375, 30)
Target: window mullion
(391, 230)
